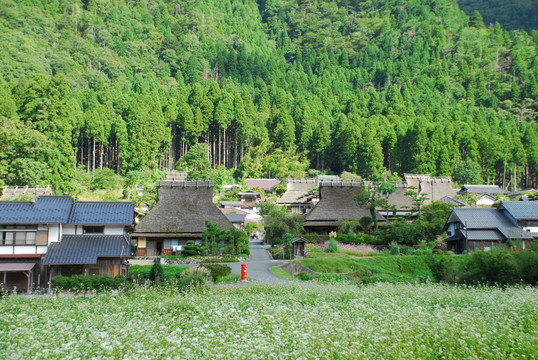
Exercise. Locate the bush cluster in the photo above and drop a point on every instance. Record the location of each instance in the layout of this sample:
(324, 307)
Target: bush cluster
(218, 270)
(81, 283)
(496, 267)
(194, 278)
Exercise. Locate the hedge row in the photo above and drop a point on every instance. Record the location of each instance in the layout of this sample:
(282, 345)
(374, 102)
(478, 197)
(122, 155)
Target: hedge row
(81, 283)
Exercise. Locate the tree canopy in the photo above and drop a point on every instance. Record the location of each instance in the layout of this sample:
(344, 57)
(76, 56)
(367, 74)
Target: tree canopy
(272, 88)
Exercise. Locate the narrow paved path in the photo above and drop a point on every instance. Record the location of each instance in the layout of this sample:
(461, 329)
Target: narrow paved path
(259, 263)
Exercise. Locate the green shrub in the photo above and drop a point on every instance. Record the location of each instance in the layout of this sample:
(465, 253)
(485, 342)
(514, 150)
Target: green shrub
(156, 273)
(332, 246)
(194, 278)
(442, 267)
(218, 270)
(81, 283)
(190, 249)
(496, 266)
(303, 275)
(527, 263)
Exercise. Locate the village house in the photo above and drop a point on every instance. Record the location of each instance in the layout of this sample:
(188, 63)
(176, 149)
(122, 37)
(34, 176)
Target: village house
(296, 198)
(179, 216)
(485, 228)
(432, 188)
(267, 185)
(337, 203)
(486, 194)
(55, 236)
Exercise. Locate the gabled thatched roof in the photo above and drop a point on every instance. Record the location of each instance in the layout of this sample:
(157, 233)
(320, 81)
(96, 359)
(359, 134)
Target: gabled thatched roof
(337, 202)
(182, 208)
(296, 189)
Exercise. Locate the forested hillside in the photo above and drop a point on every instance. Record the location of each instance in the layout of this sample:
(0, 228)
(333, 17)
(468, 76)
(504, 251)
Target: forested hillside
(273, 87)
(511, 14)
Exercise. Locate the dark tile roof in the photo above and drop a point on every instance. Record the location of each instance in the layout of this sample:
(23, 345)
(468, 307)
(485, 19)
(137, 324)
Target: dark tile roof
(85, 249)
(46, 209)
(182, 208)
(337, 202)
(486, 219)
(236, 218)
(451, 201)
(521, 210)
(102, 213)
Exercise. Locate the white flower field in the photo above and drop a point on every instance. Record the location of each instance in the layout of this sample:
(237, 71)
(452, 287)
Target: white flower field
(380, 321)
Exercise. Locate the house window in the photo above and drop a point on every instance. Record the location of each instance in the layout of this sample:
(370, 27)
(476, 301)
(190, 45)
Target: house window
(16, 235)
(8, 238)
(93, 229)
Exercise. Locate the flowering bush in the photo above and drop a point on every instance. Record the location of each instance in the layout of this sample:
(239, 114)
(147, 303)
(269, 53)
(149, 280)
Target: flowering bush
(356, 250)
(380, 321)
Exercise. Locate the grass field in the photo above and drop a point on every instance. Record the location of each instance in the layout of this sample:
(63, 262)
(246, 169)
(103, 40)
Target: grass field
(369, 268)
(281, 273)
(379, 321)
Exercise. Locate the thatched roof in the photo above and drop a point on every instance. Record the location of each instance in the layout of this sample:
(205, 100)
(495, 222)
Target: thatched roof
(296, 189)
(434, 188)
(337, 202)
(182, 208)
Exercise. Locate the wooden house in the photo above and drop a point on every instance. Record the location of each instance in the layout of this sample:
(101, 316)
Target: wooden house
(485, 228)
(179, 216)
(487, 194)
(29, 230)
(337, 202)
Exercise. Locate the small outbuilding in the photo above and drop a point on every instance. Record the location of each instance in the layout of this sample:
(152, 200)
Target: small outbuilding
(299, 245)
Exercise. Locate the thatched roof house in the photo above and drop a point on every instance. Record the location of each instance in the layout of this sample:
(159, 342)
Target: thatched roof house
(295, 198)
(337, 202)
(179, 215)
(434, 188)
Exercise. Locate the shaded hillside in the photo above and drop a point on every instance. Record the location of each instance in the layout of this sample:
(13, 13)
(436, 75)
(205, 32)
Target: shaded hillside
(274, 86)
(511, 14)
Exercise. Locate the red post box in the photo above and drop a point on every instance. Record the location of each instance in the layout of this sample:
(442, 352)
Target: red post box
(243, 272)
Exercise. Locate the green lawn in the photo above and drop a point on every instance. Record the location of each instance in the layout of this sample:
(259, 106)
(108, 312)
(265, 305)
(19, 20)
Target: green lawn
(281, 273)
(369, 268)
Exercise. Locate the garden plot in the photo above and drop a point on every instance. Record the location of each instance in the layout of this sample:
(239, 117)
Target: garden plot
(379, 321)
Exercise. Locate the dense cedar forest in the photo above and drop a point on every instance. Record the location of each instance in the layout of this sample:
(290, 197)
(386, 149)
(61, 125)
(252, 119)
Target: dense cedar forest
(372, 87)
(511, 14)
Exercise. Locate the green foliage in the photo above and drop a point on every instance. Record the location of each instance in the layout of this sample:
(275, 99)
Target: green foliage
(218, 270)
(288, 245)
(332, 246)
(347, 227)
(360, 238)
(375, 196)
(369, 269)
(214, 239)
(496, 266)
(193, 279)
(105, 179)
(196, 162)
(131, 87)
(142, 272)
(466, 172)
(80, 283)
(443, 267)
(190, 249)
(277, 223)
(156, 273)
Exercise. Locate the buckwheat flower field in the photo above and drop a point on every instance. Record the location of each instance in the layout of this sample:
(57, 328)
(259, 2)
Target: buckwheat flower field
(380, 321)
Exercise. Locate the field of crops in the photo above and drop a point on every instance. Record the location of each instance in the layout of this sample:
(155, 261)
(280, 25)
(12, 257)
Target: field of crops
(379, 321)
